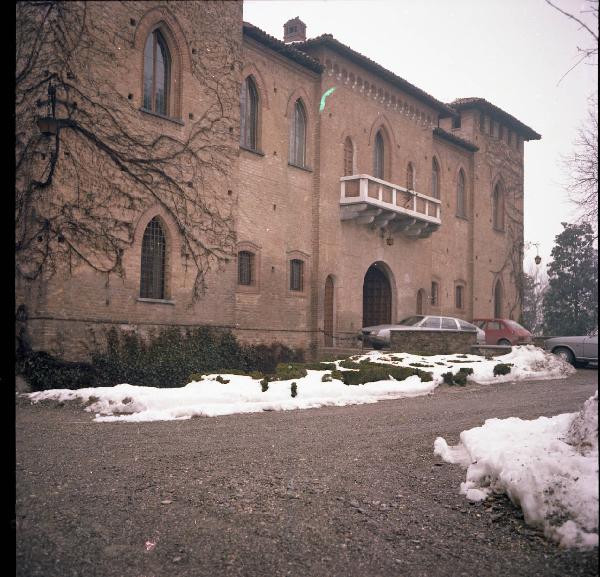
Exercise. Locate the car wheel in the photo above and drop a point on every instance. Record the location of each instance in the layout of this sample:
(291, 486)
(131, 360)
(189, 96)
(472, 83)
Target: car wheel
(565, 355)
(505, 343)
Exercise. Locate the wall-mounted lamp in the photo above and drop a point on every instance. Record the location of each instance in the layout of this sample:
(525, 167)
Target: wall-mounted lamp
(538, 258)
(49, 124)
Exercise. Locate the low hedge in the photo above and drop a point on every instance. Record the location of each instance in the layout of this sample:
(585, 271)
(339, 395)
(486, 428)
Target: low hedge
(167, 358)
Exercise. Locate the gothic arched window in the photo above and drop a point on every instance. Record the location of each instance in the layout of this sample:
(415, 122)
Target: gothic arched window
(157, 73)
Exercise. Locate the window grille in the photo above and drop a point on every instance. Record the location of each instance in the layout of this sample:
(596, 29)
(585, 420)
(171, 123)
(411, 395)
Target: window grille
(245, 268)
(498, 208)
(152, 283)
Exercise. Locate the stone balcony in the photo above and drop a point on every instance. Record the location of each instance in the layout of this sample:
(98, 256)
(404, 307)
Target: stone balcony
(371, 201)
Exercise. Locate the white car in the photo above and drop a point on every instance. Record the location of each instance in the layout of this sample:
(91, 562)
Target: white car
(575, 350)
(379, 336)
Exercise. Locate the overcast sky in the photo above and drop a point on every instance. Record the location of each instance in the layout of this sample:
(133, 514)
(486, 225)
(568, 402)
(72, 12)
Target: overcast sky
(513, 53)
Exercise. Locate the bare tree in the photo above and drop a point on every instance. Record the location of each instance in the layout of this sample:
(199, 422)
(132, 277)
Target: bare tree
(589, 53)
(78, 191)
(582, 168)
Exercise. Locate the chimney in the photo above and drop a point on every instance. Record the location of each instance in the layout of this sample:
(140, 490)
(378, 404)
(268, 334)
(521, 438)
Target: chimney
(294, 30)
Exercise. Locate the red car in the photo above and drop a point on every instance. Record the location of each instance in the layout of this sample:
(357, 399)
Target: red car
(504, 332)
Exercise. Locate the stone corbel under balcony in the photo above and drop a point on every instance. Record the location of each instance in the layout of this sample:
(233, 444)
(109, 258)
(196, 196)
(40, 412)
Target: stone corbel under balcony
(371, 201)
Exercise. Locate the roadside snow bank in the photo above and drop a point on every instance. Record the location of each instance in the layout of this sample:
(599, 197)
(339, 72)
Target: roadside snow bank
(547, 466)
(243, 394)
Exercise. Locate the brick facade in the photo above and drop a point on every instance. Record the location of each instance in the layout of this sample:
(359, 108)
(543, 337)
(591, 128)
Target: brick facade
(283, 211)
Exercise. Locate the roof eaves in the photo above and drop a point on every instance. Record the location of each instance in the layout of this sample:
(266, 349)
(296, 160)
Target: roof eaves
(330, 41)
(280, 47)
(482, 104)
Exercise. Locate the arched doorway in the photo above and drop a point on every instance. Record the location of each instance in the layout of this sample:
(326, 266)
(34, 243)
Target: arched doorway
(420, 299)
(498, 300)
(377, 298)
(328, 312)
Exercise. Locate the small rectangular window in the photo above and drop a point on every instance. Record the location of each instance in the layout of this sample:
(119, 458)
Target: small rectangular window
(456, 121)
(501, 132)
(459, 297)
(245, 268)
(296, 275)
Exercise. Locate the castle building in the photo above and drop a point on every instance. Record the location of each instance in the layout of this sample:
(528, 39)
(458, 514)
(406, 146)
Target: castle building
(336, 194)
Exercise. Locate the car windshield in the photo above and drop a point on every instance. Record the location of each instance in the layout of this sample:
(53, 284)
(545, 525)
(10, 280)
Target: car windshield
(514, 325)
(411, 321)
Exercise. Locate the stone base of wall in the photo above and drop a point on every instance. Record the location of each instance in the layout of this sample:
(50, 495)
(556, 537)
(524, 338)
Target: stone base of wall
(432, 342)
(490, 350)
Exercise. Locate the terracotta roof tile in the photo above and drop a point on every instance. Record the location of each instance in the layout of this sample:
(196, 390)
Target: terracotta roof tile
(286, 50)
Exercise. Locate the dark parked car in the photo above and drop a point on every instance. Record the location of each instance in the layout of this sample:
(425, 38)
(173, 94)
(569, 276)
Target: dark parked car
(379, 336)
(504, 332)
(575, 350)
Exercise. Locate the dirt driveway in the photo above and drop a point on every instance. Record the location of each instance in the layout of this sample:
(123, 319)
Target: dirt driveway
(350, 491)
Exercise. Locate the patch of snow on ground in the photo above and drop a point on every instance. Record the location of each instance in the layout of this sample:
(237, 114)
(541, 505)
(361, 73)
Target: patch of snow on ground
(243, 394)
(547, 466)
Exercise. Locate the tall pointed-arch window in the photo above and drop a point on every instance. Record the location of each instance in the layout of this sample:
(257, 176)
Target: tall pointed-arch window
(461, 195)
(410, 177)
(249, 115)
(378, 157)
(298, 135)
(157, 73)
(498, 298)
(348, 157)
(435, 179)
(498, 208)
(152, 283)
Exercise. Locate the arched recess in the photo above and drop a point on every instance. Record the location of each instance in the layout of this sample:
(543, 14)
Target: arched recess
(329, 312)
(498, 299)
(349, 157)
(436, 178)
(261, 86)
(172, 246)
(498, 205)
(421, 300)
(250, 114)
(462, 192)
(301, 96)
(162, 19)
(382, 127)
(378, 293)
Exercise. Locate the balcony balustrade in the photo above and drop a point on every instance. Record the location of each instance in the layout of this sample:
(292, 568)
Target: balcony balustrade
(372, 201)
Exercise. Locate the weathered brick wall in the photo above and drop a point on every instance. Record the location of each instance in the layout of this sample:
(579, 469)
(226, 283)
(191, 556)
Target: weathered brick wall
(77, 302)
(432, 342)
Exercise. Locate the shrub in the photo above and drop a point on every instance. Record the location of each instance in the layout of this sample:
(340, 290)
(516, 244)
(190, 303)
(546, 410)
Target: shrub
(349, 364)
(322, 366)
(264, 385)
(460, 379)
(448, 378)
(326, 378)
(502, 369)
(285, 371)
(43, 371)
(419, 365)
(466, 370)
(294, 389)
(220, 379)
(375, 372)
(167, 358)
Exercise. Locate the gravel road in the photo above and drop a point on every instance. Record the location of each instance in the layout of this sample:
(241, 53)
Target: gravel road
(348, 491)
